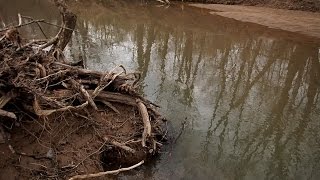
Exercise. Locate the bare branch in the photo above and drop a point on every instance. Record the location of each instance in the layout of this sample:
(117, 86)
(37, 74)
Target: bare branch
(86, 176)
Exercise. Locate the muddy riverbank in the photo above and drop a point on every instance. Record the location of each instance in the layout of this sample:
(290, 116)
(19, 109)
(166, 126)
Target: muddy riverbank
(306, 23)
(304, 5)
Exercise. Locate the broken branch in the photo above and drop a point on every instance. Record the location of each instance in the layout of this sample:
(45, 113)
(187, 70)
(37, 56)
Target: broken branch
(7, 114)
(146, 122)
(106, 172)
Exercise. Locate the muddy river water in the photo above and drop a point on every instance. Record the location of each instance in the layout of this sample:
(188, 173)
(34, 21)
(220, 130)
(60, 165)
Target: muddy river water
(245, 98)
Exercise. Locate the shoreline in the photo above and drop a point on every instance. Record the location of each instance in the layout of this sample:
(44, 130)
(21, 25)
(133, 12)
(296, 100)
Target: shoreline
(301, 22)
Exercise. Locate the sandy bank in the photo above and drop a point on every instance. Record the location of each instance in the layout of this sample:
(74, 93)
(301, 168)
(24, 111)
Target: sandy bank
(306, 23)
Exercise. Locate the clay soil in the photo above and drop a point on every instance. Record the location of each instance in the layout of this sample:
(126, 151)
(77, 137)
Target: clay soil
(61, 146)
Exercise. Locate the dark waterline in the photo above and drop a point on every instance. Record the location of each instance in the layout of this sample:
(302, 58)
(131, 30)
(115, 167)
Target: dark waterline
(250, 94)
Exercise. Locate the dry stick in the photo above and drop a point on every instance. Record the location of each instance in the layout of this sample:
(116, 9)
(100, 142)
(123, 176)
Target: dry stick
(30, 43)
(101, 87)
(2, 22)
(84, 92)
(53, 40)
(38, 24)
(4, 100)
(25, 24)
(91, 81)
(7, 114)
(50, 100)
(146, 122)
(104, 95)
(106, 172)
(110, 106)
(80, 70)
(120, 145)
(20, 19)
(45, 22)
(117, 97)
(47, 112)
(2, 37)
(161, 1)
(154, 143)
(53, 74)
(44, 34)
(113, 97)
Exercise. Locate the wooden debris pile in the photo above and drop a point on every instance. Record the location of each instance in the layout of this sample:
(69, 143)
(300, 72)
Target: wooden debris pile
(42, 84)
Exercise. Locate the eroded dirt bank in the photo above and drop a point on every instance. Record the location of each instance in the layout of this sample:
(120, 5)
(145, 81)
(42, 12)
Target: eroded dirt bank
(306, 23)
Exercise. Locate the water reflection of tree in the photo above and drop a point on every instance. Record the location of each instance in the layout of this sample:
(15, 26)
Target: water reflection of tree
(274, 129)
(298, 72)
(143, 49)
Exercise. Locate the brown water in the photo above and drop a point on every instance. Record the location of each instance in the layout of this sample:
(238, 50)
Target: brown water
(249, 95)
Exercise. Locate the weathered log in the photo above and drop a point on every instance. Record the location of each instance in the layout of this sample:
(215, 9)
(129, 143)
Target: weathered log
(146, 122)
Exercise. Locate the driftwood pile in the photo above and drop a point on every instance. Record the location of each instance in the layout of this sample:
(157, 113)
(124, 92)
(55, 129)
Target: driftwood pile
(47, 84)
(36, 79)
